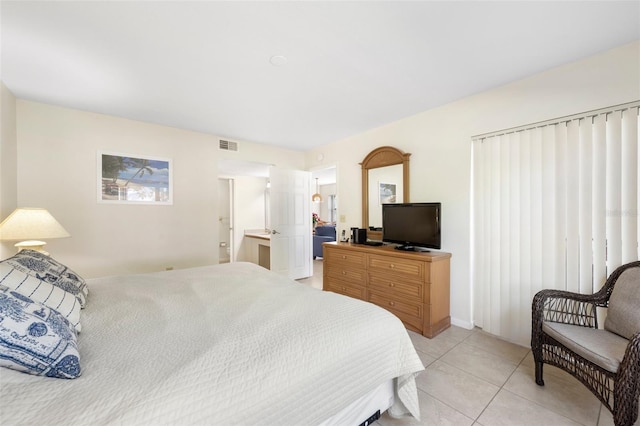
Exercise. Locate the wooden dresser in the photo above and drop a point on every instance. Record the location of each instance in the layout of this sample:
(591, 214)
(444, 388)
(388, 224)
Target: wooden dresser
(414, 286)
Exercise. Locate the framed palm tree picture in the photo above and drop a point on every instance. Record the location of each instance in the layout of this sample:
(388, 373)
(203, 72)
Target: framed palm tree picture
(137, 179)
(387, 193)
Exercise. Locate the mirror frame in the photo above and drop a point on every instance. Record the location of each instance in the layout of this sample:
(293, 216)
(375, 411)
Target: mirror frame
(382, 157)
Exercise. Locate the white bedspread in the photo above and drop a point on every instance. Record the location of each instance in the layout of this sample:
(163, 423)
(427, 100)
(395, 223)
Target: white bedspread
(228, 344)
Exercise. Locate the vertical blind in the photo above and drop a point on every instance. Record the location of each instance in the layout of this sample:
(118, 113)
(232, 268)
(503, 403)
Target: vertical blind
(555, 205)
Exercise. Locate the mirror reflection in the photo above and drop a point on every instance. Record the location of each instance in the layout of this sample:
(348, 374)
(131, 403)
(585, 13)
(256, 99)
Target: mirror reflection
(385, 186)
(385, 179)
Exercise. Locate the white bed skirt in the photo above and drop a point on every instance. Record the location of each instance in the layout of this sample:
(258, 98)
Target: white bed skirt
(379, 399)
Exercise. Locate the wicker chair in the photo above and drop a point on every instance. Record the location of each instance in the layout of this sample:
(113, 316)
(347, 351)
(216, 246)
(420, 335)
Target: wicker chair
(607, 361)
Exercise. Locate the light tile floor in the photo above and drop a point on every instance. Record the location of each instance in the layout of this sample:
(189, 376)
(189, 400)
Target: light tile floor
(474, 378)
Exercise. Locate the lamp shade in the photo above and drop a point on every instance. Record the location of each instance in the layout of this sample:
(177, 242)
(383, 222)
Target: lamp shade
(31, 224)
(317, 198)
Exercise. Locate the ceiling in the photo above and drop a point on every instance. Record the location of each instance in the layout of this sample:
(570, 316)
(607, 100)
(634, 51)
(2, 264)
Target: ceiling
(347, 67)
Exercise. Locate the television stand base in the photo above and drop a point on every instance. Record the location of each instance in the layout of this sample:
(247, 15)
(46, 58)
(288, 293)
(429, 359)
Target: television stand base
(412, 248)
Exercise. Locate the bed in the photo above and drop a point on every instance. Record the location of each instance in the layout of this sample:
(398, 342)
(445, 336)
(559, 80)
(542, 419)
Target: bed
(225, 344)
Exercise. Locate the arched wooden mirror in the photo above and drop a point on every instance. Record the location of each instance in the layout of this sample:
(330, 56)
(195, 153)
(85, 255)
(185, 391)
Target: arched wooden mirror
(385, 179)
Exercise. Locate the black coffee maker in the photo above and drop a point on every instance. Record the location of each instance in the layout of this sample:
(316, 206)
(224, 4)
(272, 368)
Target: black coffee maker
(358, 235)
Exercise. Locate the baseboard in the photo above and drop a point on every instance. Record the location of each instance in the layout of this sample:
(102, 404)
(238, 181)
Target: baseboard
(464, 324)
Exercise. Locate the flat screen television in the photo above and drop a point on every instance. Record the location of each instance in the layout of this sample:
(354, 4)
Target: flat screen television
(415, 226)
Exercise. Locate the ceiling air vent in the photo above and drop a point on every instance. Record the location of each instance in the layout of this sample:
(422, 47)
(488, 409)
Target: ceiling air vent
(228, 145)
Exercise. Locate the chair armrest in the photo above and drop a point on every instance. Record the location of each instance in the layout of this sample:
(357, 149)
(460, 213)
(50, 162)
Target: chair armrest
(323, 238)
(627, 387)
(566, 307)
(631, 359)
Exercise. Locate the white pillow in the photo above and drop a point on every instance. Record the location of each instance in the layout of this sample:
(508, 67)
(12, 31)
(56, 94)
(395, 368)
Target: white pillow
(35, 339)
(41, 291)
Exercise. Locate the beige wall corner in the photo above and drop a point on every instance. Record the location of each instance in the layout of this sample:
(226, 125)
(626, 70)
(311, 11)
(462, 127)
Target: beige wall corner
(8, 161)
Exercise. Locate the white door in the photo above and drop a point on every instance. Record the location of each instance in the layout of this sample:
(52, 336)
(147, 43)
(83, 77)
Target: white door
(290, 211)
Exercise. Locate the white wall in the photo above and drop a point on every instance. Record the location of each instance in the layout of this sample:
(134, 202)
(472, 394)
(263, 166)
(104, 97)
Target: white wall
(57, 170)
(8, 162)
(439, 141)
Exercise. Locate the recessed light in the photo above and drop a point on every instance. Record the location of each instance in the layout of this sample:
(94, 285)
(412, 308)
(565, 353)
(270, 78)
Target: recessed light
(278, 60)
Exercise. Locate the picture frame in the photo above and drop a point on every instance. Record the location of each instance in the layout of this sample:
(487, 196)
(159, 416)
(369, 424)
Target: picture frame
(387, 193)
(134, 179)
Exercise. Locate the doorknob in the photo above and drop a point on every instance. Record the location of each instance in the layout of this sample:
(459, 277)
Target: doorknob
(273, 231)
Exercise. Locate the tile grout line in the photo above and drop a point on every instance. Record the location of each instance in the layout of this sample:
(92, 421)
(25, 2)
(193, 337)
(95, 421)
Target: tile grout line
(534, 402)
(480, 378)
(502, 387)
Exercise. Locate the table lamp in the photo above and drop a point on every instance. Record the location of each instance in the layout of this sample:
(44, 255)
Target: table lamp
(29, 226)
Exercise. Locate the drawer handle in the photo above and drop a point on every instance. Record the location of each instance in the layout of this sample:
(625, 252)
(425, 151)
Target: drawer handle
(344, 257)
(392, 304)
(392, 266)
(392, 285)
(344, 289)
(344, 272)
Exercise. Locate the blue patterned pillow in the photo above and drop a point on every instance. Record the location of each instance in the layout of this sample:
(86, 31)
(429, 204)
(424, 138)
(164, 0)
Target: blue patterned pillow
(41, 291)
(35, 339)
(47, 269)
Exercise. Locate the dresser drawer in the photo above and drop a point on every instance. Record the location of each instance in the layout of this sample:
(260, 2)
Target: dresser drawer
(343, 287)
(341, 273)
(399, 287)
(411, 313)
(348, 258)
(409, 268)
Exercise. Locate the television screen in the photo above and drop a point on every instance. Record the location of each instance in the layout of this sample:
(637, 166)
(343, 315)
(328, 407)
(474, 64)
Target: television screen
(412, 225)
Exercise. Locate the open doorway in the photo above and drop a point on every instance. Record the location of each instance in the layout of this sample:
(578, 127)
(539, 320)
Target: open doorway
(225, 220)
(246, 205)
(270, 216)
(324, 183)
(324, 208)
